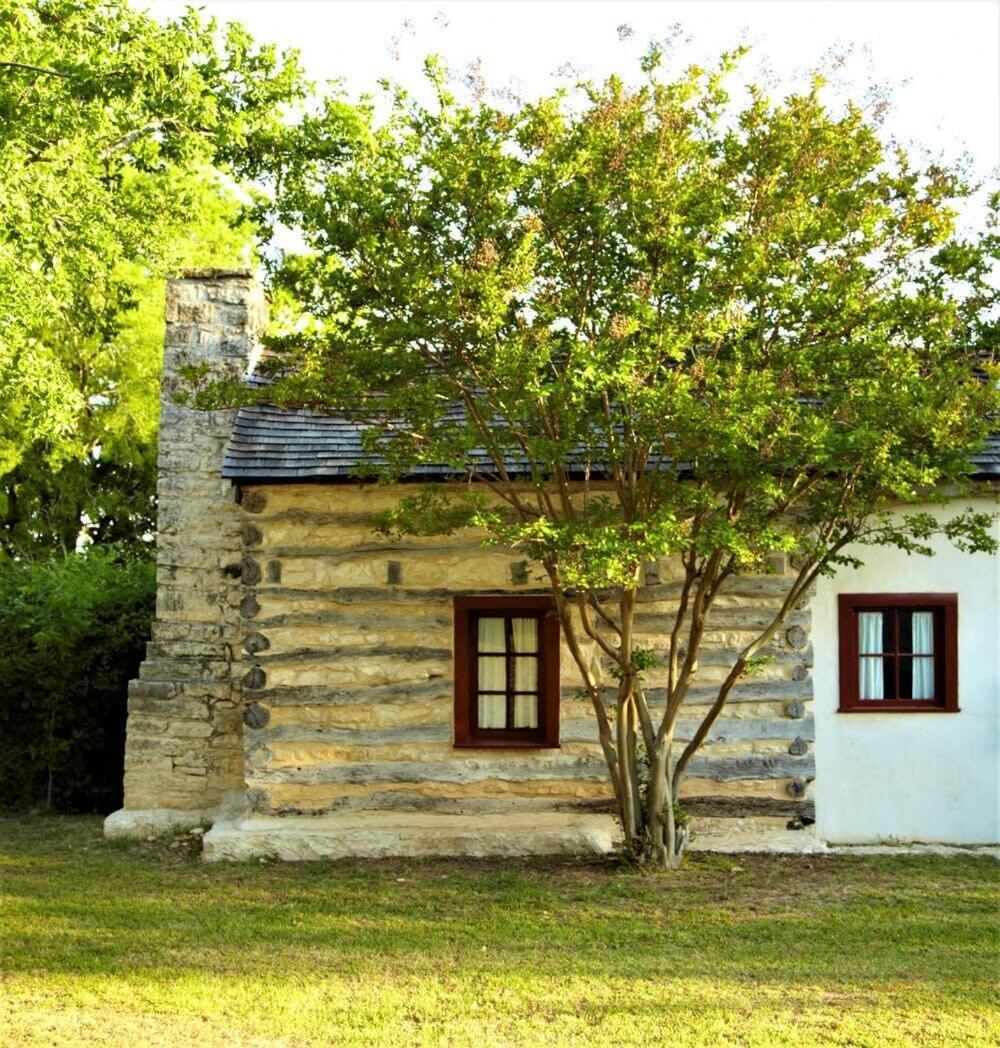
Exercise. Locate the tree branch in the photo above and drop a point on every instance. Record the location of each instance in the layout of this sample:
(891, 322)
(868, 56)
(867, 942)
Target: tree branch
(35, 69)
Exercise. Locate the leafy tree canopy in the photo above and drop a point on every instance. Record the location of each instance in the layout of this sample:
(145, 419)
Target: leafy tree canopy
(99, 474)
(645, 322)
(75, 629)
(121, 143)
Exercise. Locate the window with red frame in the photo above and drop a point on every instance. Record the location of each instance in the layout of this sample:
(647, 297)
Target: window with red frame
(506, 671)
(898, 652)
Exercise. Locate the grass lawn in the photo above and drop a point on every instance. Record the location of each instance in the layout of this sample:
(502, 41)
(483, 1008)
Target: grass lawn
(140, 944)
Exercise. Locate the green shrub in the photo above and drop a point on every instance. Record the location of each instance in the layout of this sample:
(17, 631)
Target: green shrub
(72, 634)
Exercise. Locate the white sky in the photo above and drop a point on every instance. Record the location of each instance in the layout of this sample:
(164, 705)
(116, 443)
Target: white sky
(940, 57)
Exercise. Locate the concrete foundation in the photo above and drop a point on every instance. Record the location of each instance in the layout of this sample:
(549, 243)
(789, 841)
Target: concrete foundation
(376, 835)
(154, 822)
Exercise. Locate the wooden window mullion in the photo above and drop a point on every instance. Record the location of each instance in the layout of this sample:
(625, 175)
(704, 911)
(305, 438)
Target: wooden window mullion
(474, 666)
(895, 647)
(941, 654)
(508, 641)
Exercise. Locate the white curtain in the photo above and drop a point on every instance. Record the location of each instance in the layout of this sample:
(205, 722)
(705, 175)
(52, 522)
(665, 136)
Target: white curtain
(526, 673)
(870, 678)
(492, 711)
(525, 637)
(525, 634)
(491, 636)
(525, 711)
(492, 677)
(923, 644)
(492, 673)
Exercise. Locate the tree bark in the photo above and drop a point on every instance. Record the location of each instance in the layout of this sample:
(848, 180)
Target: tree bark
(656, 801)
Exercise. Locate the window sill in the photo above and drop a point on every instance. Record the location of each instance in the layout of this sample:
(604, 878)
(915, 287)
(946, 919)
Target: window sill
(900, 709)
(506, 744)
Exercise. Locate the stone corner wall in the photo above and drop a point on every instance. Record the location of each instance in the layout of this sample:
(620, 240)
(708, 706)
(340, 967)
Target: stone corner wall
(184, 744)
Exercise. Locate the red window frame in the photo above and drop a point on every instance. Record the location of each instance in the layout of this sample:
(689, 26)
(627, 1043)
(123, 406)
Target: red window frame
(945, 609)
(467, 732)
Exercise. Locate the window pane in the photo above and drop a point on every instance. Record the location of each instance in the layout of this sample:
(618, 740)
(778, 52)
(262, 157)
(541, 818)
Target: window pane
(870, 633)
(526, 673)
(491, 635)
(922, 629)
(923, 678)
(492, 711)
(525, 632)
(525, 711)
(871, 678)
(905, 678)
(905, 617)
(916, 678)
(492, 673)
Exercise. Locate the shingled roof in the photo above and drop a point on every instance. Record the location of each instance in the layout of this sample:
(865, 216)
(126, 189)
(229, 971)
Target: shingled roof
(272, 445)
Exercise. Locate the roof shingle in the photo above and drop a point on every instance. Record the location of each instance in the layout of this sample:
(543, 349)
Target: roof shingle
(275, 445)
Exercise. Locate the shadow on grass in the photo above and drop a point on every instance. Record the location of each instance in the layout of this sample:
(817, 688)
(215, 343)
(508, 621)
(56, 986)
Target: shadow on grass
(76, 904)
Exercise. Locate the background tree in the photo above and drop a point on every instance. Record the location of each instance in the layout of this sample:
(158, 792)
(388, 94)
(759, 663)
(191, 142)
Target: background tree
(75, 629)
(122, 142)
(96, 475)
(125, 147)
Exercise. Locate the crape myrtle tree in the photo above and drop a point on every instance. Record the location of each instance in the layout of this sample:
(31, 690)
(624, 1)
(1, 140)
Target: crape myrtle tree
(668, 326)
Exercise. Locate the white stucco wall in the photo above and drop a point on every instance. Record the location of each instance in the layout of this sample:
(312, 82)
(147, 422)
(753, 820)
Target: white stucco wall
(914, 776)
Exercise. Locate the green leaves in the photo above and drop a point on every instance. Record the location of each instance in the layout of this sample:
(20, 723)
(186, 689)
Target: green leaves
(644, 322)
(74, 633)
(120, 140)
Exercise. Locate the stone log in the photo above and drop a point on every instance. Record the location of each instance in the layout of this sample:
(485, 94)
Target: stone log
(729, 798)
(422, 690)
(537, 766)
(753, 729)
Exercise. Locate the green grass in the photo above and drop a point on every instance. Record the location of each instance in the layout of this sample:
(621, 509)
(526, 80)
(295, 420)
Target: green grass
(135, 944)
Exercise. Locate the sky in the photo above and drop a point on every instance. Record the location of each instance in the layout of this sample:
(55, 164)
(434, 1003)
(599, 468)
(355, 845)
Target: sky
(941, 58)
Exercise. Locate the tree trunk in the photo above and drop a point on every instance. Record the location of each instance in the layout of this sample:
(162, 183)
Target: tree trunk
(648, 817)
(667, 840)
(656, 804)
(677, 836)
(51, 760)
(12, 513)
(625, 744)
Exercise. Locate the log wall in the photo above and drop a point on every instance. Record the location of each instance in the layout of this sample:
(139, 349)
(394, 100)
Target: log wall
(347, 675)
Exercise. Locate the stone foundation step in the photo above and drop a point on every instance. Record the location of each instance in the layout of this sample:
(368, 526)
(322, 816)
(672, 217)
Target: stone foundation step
(756, 835)
(769, 836)
(383, 834)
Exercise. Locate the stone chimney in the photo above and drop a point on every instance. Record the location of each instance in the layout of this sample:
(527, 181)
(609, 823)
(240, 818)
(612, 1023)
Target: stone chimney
(184, 747)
